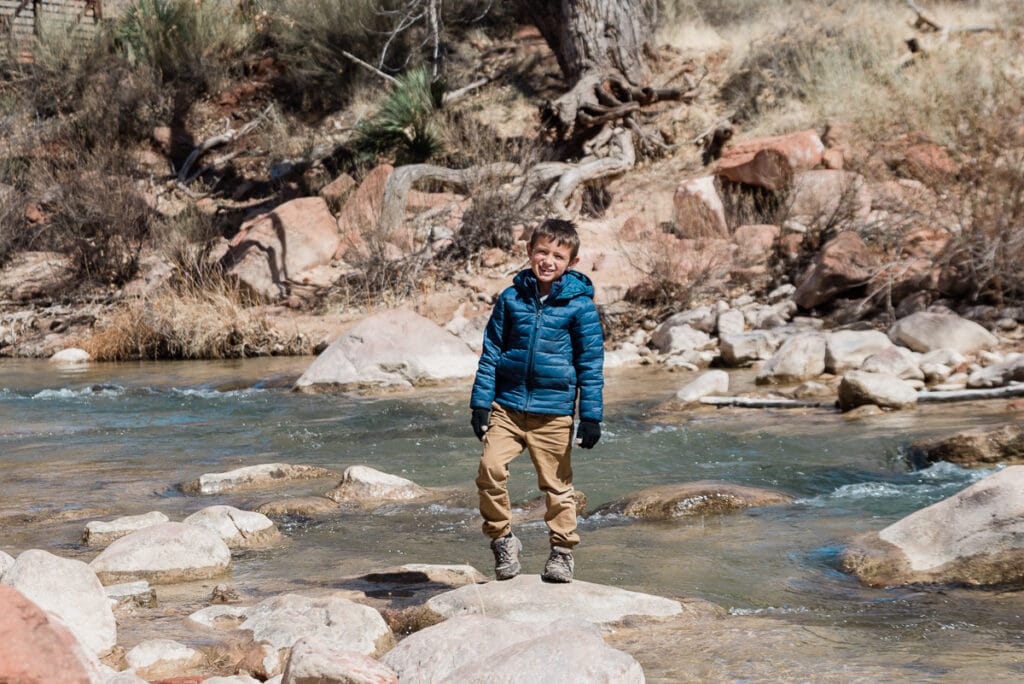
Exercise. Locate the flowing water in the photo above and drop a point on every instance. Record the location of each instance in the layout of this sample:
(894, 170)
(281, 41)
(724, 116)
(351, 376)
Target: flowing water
(115, 439)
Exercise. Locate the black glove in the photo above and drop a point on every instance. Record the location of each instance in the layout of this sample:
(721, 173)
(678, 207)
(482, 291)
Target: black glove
(587, 434)
(479, 422)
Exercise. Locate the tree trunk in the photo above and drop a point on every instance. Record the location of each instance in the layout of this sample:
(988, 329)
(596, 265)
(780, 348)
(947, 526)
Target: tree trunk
(596, 35)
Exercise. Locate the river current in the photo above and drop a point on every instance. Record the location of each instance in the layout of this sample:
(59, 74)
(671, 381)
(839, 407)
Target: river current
(106, 440)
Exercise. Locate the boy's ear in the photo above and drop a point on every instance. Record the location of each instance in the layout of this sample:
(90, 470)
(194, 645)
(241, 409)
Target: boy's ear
(572, 263)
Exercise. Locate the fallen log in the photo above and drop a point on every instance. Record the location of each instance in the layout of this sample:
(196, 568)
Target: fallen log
(1014, 390)
(764, 402)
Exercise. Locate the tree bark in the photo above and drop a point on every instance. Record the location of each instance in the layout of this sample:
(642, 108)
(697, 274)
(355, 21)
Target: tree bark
(596, 35)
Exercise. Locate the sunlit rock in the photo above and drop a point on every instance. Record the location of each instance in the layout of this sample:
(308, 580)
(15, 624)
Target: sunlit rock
(70, 590)
(128, 594)
(858, 388)
(254, 477)
(35, 646)
(101, 532)
(668, 502)
(846, 349)
(164, 554)
(975, 537)
(473, 648)
(239, 529)
(164, 658)
(800, 358)
(979, 447)
(362, 484)
(319, 659)
(527, 599)
(393, 348)
(709, 383)
(71, 356)
(925, 331)
(282, 620)
(309, 507)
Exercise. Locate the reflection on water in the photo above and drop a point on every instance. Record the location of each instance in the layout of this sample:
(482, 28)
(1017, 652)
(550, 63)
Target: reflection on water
(111, 440)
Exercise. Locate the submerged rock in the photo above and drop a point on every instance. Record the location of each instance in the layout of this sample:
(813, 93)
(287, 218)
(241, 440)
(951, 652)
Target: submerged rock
(975, 537)
(253, 477)
(668, 502)
(527, 599)
(164, 658)
(131, 594)
(362, 484)
(309, 507)
(425, 573)
(164, 554)
(477, 648)
(973, 448)
(239, 529)
(711, 382)
(70, 590)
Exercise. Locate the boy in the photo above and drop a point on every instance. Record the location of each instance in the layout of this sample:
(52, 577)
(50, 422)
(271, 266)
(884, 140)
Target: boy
(543, 346)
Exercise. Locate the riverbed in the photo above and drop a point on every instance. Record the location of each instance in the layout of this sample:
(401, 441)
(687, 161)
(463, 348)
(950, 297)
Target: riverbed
(106, 440)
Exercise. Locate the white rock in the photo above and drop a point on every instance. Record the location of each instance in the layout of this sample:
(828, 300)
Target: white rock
(392, 348)
(138, 593)
(164, 554)
(163, 658)
(6, 561)
(712, 382)
(70, 590)
(800, 358)
(253, 477)
(739, 350)
(239, 529)
(731, 322)
(125, 677)
(847, 349)
(364, 484)
(893, 360)
(617, 358)
(925, 331)
(282, 620)
(1000, 374)
(936, 373)
(858, 388)
(220, 616)
(100, 532)
(947, 357)
(679, 338)
(233, 679)
(527, 599)
(782, 291)
(71, 355)
(321, 660)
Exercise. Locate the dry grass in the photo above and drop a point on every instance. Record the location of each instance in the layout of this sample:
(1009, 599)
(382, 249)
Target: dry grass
(189, 324)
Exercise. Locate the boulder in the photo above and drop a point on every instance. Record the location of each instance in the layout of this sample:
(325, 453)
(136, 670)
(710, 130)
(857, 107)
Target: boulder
(319, 660)
(768, 169)
(974, 538)
(712, 382)
(6, 562)
(338, 190)
(362, 484)
(802, 150)
(282, 620)
(675, 339)
(835, 197)
(33, 274)
(273, 250)
(262, 661)
(800, 358)
(36, 647)
(164, 554)
(309, 507)
(426, 573)
(239, 529)
(858, 388)
(527, 599)
(730, 322)
(69, 589)
(978, 447)
(164, 658)
(393, 348)
(688, 499)
(361, 212)
(745, 348)
(101, 533)
(925, 331)
(844, 263)
(699, 212)
(894, 361)
(71, 356)
(703, 318)
(475, 648)
(755, 243)
(998, 374)
(254, 477)
(846, 349)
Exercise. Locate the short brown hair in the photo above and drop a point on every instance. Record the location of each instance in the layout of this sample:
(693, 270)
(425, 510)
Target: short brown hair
(560, 231)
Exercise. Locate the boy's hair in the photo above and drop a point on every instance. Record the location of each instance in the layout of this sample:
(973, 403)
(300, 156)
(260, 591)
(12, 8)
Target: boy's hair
(560, 231)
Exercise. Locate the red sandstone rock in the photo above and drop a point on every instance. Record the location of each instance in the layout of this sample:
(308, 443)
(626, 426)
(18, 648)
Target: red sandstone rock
(34, 647)
(770, 162)
(845, 262)
(699, 212)
(362, 210)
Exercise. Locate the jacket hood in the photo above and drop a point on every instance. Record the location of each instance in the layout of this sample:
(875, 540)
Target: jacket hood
(572, 284)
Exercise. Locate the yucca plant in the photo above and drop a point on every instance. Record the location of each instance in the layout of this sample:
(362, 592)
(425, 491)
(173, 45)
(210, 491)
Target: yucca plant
(406, 122)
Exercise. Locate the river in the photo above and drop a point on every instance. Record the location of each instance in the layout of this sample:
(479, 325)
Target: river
(107, 440)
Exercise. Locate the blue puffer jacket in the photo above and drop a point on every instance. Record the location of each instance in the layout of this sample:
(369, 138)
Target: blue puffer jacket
(538, 356)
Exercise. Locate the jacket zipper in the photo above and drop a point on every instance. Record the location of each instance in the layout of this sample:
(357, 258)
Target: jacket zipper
(533, 350)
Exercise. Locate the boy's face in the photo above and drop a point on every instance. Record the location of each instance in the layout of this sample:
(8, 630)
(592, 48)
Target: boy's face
(548, 261)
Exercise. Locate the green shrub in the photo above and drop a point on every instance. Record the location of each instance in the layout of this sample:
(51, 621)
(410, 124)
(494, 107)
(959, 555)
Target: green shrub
(407, 122)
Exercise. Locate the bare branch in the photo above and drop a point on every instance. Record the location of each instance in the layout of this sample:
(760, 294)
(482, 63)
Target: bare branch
(387, 77)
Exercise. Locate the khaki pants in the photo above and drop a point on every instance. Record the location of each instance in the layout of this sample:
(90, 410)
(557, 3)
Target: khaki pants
(549, 441)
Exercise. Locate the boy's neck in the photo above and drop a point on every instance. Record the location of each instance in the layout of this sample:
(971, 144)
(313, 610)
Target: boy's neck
(543, 289)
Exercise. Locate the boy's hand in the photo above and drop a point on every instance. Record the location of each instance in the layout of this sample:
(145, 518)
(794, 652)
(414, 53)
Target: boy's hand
(588, 433)
(479, 422)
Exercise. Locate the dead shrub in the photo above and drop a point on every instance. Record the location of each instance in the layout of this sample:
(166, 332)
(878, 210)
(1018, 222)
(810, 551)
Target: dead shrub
(189, 323)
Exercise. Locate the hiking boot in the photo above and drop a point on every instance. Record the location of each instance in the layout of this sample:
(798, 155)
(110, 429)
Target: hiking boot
(506, 556)
(559, 566)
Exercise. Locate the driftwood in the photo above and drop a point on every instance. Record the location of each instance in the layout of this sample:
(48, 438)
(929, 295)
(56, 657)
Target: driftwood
(925, 23)
(217, 140)
(1015, 390)
(764, 402)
